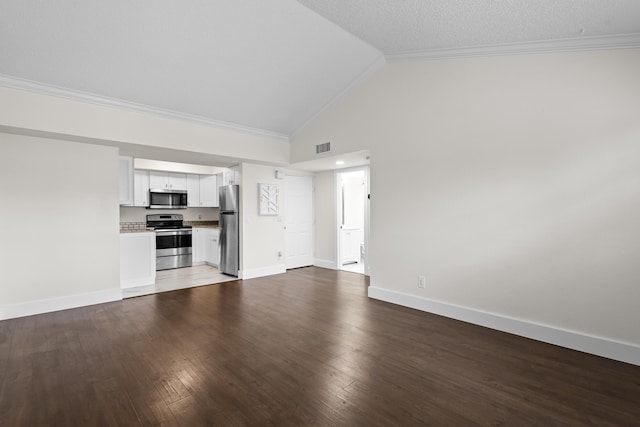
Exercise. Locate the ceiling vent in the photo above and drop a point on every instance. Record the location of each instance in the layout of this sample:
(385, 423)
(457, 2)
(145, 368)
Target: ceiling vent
(323, 148)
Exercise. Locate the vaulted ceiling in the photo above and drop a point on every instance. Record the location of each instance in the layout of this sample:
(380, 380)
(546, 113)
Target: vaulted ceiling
(268, 66)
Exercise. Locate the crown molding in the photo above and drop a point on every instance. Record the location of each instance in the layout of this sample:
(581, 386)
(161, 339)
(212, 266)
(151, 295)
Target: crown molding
(624, 41)
(46, 89)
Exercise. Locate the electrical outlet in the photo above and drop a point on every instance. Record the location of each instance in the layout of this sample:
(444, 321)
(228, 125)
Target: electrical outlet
(422, 282)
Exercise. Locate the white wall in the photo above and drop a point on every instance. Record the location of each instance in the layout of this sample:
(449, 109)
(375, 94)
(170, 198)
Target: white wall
(61, 235)
(517, 179)
(20, 109)
(262, 236)
(325, 217)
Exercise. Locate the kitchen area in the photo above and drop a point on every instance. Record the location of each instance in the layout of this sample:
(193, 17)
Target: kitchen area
(172, 220)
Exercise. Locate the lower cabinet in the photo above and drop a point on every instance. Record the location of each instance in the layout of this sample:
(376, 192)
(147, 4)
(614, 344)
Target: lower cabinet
(137, 259)
(206, 249)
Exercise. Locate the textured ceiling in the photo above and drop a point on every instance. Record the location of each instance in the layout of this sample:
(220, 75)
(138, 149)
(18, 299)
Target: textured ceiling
(268, 65)
(421, 26)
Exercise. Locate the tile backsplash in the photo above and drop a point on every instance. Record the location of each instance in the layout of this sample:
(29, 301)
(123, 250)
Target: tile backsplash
(133, 225)
(130, 214)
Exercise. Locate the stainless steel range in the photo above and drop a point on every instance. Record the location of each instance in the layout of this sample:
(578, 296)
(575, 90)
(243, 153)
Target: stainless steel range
(173, 241)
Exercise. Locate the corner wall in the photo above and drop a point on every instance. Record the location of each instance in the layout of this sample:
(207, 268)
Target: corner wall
(512, 183)
(325, 220)
(61, 243)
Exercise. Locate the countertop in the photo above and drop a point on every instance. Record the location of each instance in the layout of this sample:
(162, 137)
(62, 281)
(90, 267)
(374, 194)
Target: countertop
(136, 230)
(202, 224)
(138, 227)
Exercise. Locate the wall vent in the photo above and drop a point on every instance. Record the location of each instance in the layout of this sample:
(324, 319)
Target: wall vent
(323, 148)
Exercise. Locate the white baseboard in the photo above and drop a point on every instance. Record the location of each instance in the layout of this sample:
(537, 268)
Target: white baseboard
(140, 281)
(324, 263)
(62, 303)
(252, 273)
(623, 352)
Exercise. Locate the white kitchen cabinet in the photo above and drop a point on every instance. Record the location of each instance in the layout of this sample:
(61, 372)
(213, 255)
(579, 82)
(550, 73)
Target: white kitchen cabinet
(193, 191)
(125, 170)
(137, 259)
(141, 188)
(206, 248)
(202, 191)
(212, 248)
(197, 246)
(208, 191)
(231, 176)
(219, 183)
(167, 180)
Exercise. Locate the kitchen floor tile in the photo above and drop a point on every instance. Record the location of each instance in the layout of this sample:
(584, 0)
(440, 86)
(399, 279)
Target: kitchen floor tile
(180, 278)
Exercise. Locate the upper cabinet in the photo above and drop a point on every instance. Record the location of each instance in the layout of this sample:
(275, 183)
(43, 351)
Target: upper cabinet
(208, 191)
(202, 191)
(193, 191)
(231, 176)
(167, 180)
(141, 188)
(125, 170)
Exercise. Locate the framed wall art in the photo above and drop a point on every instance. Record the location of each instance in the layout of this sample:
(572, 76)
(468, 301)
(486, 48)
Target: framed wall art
(269, 195)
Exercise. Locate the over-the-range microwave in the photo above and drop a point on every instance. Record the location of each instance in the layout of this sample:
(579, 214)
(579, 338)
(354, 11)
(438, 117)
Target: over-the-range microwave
(167, 199)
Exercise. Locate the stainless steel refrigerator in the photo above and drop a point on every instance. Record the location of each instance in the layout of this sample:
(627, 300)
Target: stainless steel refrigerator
(229, 229)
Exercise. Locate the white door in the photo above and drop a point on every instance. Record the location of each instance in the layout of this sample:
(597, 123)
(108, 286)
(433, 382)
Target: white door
(299, 221)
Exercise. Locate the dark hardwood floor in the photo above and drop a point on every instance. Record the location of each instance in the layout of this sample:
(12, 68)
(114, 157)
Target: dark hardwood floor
(306, 348)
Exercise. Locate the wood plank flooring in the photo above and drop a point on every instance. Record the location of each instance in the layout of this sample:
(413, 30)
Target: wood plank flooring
(305, 348)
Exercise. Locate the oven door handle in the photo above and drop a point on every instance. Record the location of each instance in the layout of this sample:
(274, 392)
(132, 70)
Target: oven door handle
(173, 232)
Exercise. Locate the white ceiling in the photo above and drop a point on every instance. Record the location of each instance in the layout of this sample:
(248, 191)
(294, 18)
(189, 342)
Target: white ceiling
(269, 66)
(423, 26)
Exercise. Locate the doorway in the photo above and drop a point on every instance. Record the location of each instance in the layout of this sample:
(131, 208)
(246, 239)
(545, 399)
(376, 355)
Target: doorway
(352, 220)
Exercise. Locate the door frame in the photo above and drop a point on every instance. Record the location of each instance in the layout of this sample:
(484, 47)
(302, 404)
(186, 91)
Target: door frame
(338, 201)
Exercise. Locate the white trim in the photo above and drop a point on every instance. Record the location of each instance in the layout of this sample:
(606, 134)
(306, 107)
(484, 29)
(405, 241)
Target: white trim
(625, 41)
(325, 263)
(138, 281)
(625, 352)
(61, 303)
(252, 273)
(368, 71)
(46, 89)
